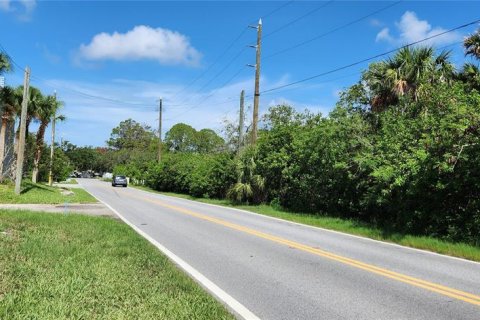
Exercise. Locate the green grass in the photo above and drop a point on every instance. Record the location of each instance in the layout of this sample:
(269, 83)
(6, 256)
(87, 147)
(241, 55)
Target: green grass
(81, 267)
(460, 250)
(42, 194)
(69, 181)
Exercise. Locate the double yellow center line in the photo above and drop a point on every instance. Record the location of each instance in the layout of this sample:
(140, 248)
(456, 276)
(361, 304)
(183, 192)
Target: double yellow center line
(430, 286)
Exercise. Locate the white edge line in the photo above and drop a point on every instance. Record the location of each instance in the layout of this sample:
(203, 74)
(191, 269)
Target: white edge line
(211, 287)
(318, 228)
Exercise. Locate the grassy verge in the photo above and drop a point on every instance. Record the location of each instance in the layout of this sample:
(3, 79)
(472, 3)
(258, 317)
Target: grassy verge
(39, 193)
(69, 181)
(81, 267)
(460, 250)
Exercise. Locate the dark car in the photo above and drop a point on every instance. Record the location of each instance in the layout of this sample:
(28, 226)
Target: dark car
(119, 181)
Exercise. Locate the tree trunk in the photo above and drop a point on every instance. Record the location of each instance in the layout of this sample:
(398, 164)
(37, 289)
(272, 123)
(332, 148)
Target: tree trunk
(29, 120)
(17, 138)
(38, 150)
(3, 131)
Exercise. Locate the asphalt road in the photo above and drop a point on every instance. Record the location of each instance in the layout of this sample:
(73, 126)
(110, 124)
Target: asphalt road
(282, 270)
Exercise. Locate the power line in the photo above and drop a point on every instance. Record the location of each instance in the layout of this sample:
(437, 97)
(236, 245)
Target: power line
(223, 70)
(332, 30)
(88, 95)
(214, 63)
(224, 53)
(209, 96)
(11, 59)
(298, 19)
(220, 73)
(371, 58)
(275, 10)
(232, 99)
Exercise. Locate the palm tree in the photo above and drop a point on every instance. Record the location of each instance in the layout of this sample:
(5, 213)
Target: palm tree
(250, 187)
(472, 45)
(404, 74)
(34, 99)
(6, 107)
(8, 112)
(46, 110)
(5, 63)
(470, 75)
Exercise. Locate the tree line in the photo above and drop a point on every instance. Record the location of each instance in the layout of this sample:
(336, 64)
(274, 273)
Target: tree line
(41, 109)
(399, 151)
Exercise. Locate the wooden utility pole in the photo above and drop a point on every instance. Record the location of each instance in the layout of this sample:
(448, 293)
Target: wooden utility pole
(257, 83)
(242, 118)
(160, 132)
(52, 147)
(23, 125)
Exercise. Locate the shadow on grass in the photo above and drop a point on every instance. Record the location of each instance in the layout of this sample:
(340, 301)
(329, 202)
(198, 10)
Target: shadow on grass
(32, 186)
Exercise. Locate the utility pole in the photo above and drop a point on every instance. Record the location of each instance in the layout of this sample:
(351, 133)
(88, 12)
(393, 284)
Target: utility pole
(242, 118)
(257, 83)
(23, 125)
(160, 131)
(52, 147)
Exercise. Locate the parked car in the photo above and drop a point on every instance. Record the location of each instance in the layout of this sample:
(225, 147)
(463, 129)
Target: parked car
(119, 181)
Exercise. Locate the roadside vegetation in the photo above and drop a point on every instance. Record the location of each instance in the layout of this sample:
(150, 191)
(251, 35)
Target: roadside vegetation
(399, 153)
(73, 266)
(69, 181)
(35, 193)
(42, 109)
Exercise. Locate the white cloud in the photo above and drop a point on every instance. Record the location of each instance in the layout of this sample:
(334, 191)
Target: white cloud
(5, 5)
(142, 42)
(384, 34)
(411, 29)
(29, 6)
(23, 9)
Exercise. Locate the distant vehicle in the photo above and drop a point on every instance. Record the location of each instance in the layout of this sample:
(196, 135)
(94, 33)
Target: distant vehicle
(86, 174)
(119, 181)
(75, 174)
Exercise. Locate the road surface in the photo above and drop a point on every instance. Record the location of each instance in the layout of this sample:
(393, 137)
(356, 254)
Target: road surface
(281, 270)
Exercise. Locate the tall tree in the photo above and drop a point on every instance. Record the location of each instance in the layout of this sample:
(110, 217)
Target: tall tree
(6, 107)
(8, 112)
(35, 99)
(5, 63)
(404, 74)
(45, 110)
(470, 74)
(130, 134)
(182, 138)
(472, 45)
(208, 141)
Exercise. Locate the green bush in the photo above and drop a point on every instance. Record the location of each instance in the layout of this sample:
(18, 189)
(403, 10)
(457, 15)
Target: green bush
(195, 174)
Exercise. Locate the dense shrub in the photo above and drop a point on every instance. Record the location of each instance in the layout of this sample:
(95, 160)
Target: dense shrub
(411, 168)
(196, 174)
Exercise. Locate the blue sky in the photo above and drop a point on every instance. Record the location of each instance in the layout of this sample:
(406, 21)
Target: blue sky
(128, 54)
